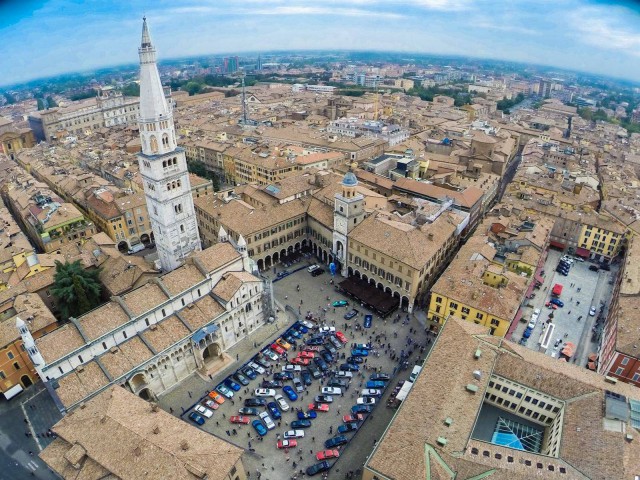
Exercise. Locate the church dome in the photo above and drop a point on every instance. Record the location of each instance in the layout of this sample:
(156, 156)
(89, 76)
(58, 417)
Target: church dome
(349, 180)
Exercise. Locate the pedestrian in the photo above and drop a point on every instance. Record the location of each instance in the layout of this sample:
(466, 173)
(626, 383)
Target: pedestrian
(170, 410)
(217, 423)
(235, 432)
(224, 415)
(190, 396)
(228, 433)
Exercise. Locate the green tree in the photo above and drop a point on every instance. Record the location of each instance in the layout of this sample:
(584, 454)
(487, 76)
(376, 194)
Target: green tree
(51, 102)
(84, 94)
(75, 289)
(198, 168)
(131, 90)
(193, 88)
(40, 104)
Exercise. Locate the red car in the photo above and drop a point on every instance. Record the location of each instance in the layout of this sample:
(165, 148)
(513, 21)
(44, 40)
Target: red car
(326, 454)
(340, 336)
(277, 348)
(312, 348)
(551, 305)
(358, 417)
(300, 361)
(304, 354)
(290, 443)
(319, 407)
(239, 419)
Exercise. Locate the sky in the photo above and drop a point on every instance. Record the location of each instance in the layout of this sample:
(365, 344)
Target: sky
(40, 38)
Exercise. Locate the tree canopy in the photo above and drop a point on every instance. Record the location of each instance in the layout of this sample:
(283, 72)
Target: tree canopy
(75, 289)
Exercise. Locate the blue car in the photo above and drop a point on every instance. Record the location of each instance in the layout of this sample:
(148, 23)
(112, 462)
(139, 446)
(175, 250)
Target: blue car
(349, 367)
(290, 392)
(301, 424)
(327, 356)
(361, 409)
(308, 415)
(194, 417)
(527, 332)
(348, 427)
(274, 410)
(300, 327)
(322, 365)
(232, 385)
(367, 321)
(376, 384)
(293, 332)
(250, 372)
(315, 341)
(259, 427)
(359, 352)
(336, 441)
(557, 302)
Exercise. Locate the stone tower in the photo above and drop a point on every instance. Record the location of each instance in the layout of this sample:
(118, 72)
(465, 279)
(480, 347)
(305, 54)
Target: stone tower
(163, 167)
(30, 346)
(348, 212)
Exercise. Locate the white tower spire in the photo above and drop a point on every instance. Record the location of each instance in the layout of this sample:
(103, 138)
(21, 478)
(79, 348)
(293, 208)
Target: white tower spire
(30, 346)
(163, 167)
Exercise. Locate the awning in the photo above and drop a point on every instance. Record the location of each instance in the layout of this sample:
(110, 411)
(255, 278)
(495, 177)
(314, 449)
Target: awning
(553, 243)
(583, 252)
(203, 332)
(13, 391)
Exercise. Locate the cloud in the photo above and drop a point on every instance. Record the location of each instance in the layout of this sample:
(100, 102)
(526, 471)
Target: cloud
(307, 10)
(601, 28)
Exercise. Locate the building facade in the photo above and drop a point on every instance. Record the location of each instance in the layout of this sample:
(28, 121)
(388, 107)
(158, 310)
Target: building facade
(163, 166)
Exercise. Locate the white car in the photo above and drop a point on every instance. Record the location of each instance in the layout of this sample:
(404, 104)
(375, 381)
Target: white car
(307, 323)
(269, 354)
(371, 392)
(312, 268)
(569, 260)
(327, 329)
(366, 401)
(343, 374)
(284, 406)
(257, 368)
(291, 368)
(204, 411)
(267, 421)
(264, 392)
(294, 434)
(592, 312)
(331, 391)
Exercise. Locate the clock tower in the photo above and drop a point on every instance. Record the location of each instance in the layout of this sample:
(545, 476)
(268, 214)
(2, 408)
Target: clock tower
(348, 212)
(163, 167)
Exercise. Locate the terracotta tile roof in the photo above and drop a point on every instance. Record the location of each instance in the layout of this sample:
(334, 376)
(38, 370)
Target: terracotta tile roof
(103, 319)
(128, 356)
(467, 198)
(182, 278)
(144, 298)
(56, 454)
(165, 333)
(133, 440)
(80, 383)
(202, 312)
(217, 255)
(60, 342)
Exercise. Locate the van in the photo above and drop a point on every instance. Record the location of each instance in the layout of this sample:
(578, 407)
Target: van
(136, 248)
(414, 373)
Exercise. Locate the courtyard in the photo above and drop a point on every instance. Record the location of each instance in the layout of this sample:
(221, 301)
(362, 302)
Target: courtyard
(296, 294)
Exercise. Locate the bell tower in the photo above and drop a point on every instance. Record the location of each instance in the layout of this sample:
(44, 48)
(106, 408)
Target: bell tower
(163, 167)
(348, 212)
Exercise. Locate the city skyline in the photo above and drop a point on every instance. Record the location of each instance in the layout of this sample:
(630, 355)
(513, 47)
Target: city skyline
(596, 36)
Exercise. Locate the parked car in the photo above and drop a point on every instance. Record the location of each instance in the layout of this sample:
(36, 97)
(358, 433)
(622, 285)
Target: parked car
(335, 342)
(216, 397)
(317, 272)
(323, 399)
(250, 373)
(293, 396)
(363, 346)
(283, 376)
(592, 311)
(324, 454)
(305, 354)
(277, 348)
(194, 417)
(255, 402)
(240, 378)
(232, 385)
(605, 267)
(294, 333)
(264, 392)
(271, 355)
(314, 371)
(306, 377)
(348, 427)
(340, 303)
(301, 424)
(294, 434)
(366, 401)
(331, 391)
(300, 361)
(326, 356)
(290, 443)
(377, 384)
(283, 343)
(273, 409)
(361, 409)
(307, 415)
(594, 268)
(210, 404)
(338, 382)
(341, 336)
(263, 361)
(527, 332)
(359, 352)
(318, 467)
(350, 314)
(368, 320)
(224, 390)
(248, 411)
(349, 367)
(311, 348)
(355, 360)
(271, 384)
(317, 341)
(239, 419)
(371, 392)
(343, 374)
(264, 416)
(336, 441)
(258, 368)
(557, 301)
(291, 368)
(322, 365)
(259, 427)
(327, 329)
(300, 327)
(282, 403)
(297, 383)
(204, 411)
(331, 348)
(380, 376)
(353, 418)
(319, 407)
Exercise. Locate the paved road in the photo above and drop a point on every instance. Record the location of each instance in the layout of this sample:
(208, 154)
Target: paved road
(36, 405)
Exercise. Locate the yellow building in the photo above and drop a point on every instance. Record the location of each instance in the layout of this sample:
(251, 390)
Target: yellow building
(13, 140)
(602, 241)
(477, 289)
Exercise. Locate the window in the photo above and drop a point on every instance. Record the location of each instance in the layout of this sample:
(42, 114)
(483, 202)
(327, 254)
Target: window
(619, 371)
(181, 228)
(104, 345)
(80, 358)
(2, 375)
(10, 355)
(624, 361)
(465, 310)
(124, 334)
(16, 365)
(438, 299)
(495, 322)
(453, 305)
(479, 316)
